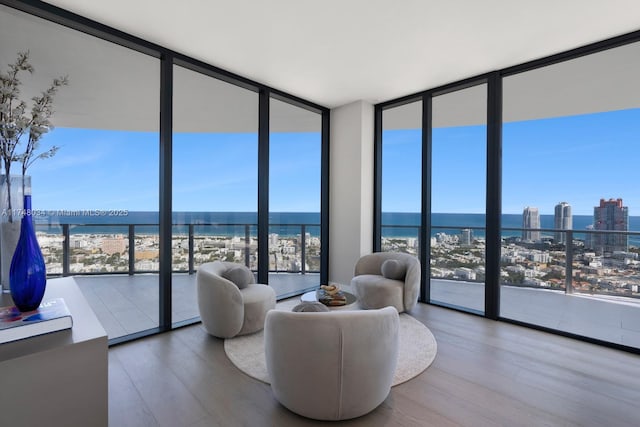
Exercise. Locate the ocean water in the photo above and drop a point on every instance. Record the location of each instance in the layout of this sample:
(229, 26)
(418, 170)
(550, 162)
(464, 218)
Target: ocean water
(205, 223)
(395, 224)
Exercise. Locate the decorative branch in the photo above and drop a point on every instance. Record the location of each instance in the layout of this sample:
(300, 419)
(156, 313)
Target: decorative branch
(39, 125)
(16, 124)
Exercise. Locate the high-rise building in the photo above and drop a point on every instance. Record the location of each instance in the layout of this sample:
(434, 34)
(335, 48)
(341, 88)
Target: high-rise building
(562, 220)
(466, 237)
(531, 221)
(588, 239)
(611, 216)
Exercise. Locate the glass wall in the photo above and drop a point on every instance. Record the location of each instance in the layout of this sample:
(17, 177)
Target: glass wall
(100, 189)
(571, 212)
(295, 161)
(559, 206)
(458, 198)
(215, 180)
(401, 178)
(100, 194)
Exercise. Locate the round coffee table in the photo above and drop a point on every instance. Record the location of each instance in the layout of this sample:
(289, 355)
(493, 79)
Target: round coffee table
(312, 296)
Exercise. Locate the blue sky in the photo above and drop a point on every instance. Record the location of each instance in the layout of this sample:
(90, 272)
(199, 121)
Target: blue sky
(577, 159)
(101, 169)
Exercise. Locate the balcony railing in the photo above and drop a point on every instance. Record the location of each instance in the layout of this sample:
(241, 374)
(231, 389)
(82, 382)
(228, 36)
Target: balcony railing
(113, 232)
(595, 262)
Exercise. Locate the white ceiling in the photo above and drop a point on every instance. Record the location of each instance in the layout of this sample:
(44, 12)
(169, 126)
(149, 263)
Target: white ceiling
(333, 52)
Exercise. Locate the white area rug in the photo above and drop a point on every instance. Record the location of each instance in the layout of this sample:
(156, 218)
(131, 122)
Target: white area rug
(417, 349)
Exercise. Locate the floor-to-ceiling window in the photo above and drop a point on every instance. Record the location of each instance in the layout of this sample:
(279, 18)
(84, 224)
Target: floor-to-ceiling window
(215, 180)
(458, 198)
(570, 207)
(124, 168)
(99, 192)
(547, 235)
(401, 178)
(295, 160)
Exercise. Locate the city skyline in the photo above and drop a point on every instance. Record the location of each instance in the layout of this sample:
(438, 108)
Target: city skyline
(610, 215)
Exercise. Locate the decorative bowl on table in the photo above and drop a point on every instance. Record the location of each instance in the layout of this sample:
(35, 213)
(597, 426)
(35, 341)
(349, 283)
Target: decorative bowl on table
(331, 295)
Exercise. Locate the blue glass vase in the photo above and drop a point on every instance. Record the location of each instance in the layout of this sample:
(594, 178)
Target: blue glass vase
(27, 275)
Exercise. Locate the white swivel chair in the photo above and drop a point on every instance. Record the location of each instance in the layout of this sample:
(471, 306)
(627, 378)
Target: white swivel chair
(387, 278)
(331, 365)
(229, 300)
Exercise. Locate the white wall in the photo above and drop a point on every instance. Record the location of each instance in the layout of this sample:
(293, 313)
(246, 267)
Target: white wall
(351, 188)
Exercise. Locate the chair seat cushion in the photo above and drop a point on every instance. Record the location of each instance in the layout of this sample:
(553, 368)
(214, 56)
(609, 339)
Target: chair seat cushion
(258, 300)
(375, 291)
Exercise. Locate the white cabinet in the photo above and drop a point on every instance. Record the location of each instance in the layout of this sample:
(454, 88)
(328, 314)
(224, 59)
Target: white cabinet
(61, 378)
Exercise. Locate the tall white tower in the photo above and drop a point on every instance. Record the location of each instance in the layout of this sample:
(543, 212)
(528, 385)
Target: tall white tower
(531, 220)
(562, 220)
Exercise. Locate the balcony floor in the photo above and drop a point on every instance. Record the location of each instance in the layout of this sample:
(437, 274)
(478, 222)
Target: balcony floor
(612, 319)
(129, 304)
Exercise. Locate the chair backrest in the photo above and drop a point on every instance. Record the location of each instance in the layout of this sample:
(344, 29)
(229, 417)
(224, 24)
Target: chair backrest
(219, 267)
(372, 264)
(219, 301)
(333, 365)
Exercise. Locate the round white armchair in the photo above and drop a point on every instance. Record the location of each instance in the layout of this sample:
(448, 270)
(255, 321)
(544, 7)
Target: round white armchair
(230, 301)
(387, 278)
(331, 365)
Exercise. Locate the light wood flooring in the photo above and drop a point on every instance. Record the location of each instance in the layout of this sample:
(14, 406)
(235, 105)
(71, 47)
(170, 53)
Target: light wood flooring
(486, 373)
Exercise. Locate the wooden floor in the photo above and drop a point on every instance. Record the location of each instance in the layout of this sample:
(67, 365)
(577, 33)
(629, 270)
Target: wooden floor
(486, 373)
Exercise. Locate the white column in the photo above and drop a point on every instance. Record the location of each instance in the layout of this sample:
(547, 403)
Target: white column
(351, 188)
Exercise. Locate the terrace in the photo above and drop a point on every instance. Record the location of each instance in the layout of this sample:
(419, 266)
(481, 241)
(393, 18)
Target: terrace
(129, 304)
(126, 296)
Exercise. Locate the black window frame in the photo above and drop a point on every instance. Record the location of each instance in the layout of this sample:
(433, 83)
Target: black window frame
(494, 80)
(168, 58)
